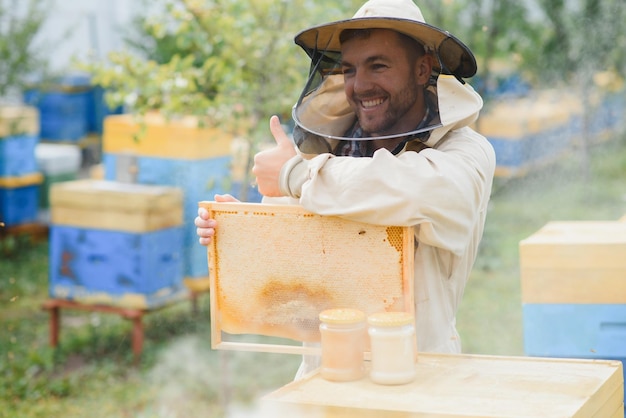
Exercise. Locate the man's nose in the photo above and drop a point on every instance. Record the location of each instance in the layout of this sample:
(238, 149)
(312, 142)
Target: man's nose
(362, 82)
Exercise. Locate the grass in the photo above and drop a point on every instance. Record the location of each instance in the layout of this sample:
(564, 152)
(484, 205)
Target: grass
(92, 371)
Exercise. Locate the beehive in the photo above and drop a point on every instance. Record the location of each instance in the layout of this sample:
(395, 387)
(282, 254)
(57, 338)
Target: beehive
(19, 199)
(17, 155)
(274, 268)
(199, 179)
(115, 206)
(19, 134)
(527, 132)
(455, 386)
(178, 138)
(177, 153)
(116, 244)
(574, 290)
(63, 111)
(18, 120)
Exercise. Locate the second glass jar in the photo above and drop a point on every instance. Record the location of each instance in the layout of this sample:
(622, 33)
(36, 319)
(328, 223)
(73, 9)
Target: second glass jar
(393, 347)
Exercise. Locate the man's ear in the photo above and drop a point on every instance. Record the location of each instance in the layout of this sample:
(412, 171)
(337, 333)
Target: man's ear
(424, 68)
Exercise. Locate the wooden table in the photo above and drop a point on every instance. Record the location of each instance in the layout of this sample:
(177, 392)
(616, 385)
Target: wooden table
(465, 386)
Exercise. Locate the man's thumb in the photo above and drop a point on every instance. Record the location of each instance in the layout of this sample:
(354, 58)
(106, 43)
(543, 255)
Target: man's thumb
(279, 133)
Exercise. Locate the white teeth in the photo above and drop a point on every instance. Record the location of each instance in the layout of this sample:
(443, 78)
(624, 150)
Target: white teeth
(370, 103)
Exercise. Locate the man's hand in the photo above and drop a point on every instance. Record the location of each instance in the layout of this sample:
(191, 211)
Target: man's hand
(205, 227)
(267, 164)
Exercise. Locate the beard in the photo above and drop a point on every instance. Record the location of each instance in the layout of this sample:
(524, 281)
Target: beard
(388, 120)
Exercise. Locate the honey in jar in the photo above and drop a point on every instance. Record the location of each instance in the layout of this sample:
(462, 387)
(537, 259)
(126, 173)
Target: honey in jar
(343, 340)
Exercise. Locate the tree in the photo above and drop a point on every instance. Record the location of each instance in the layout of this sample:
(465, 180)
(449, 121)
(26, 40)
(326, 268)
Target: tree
(582, 38)
(497, 31)
(19, 57)
(230, 63)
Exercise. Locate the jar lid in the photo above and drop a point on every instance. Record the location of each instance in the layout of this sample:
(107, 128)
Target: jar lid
(342, 316)
(390, 319)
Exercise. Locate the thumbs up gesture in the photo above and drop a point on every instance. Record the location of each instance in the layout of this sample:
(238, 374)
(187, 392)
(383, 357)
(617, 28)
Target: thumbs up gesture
(267, 164)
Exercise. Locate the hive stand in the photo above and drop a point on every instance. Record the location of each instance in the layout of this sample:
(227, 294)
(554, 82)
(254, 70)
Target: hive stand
(54, 306)
(35, 232)
(134, 315)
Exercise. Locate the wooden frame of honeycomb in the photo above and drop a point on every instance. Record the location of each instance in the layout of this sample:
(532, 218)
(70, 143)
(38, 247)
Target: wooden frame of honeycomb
(273, 268)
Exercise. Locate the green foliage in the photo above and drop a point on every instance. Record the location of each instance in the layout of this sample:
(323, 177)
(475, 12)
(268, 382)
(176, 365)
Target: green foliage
(231, 63)
(23, 275)
(18, 55)
(579, 38)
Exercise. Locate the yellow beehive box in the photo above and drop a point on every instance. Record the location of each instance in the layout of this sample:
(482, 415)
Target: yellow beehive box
(575, 262)
(15, 120)
(465, 386)
(180, 138)
(522, 117)
(110, 205)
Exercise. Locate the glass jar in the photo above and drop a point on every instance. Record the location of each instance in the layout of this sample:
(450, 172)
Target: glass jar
(343, 340)
(393, 347)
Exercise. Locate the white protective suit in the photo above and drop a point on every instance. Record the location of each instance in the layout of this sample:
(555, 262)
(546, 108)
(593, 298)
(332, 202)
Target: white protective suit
(441, 188)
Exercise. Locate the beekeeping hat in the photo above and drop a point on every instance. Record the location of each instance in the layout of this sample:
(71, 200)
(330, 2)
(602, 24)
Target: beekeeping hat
(322, 109)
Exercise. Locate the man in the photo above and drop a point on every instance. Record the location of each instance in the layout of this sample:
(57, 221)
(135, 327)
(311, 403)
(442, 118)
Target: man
(383, 137)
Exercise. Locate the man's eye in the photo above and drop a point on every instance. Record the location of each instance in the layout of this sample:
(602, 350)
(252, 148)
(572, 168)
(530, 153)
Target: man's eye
(348, 71)
(331, 71)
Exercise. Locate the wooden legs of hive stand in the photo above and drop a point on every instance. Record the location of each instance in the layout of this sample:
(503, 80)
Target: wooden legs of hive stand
(137, 336)
(135, 315)
(54, 325)
(194, 295)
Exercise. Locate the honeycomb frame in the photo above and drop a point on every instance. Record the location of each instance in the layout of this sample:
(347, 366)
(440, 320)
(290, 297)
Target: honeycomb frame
(273, 268)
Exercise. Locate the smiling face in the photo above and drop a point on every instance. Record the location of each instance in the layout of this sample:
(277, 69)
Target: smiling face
(384, 76)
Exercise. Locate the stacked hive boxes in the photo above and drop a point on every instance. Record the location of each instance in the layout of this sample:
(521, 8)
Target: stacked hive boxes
(573, 277)
(19, 176)
(528, 132)
(173, 153)
(116, 244)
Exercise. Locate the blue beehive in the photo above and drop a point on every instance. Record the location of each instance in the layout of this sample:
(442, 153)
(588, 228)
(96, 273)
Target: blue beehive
(19, 199)
(17, 155)
(575, 330)
(199, 179)
(63, 113)
(63, 108)
(527, 132)
(19, 135)
(116, 244)
(574, 290)
(177, 153)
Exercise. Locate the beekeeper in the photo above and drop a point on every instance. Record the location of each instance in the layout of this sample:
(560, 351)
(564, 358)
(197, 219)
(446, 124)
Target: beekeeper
(383, 137)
